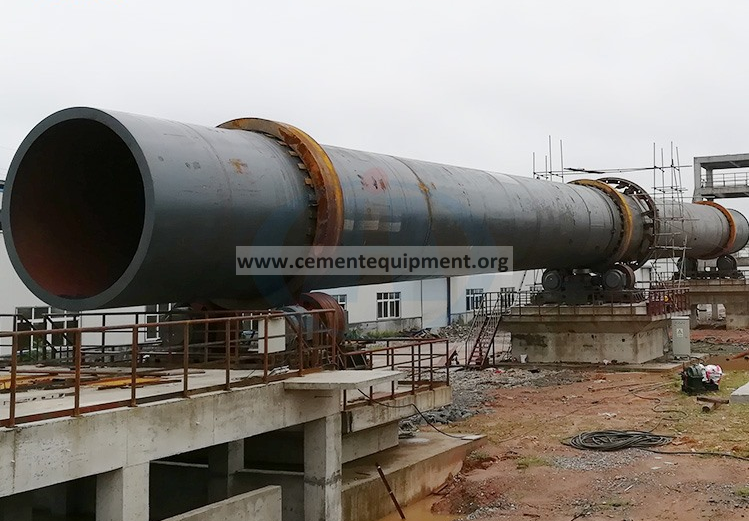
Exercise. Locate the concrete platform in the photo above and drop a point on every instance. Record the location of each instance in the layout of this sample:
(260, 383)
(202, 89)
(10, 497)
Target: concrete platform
(587, 333)
(414, 468)
(732, 293)
(740, 395)
(340, 380)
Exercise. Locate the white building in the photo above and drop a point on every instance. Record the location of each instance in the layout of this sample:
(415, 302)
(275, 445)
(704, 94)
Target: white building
(429, 303)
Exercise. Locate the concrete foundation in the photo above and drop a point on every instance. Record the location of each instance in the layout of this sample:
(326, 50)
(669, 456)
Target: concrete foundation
(592, 334)
(184, 458)
(732, 293)
(414, 469)
(259, 505)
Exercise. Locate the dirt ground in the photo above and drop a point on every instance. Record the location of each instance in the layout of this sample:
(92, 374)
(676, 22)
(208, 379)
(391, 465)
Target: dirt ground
(525, 472)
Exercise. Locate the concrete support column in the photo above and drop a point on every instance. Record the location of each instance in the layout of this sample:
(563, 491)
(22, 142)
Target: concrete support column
(122, 494)
(714, 315)
(322, 469)
(17, 507)
(224, 461)
(694, 316)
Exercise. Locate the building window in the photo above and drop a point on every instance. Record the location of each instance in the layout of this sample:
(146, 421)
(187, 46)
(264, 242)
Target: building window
(507, 295)
(341, 299)
(474, 296)
(155, 313)
(42, 318)
(389, 305)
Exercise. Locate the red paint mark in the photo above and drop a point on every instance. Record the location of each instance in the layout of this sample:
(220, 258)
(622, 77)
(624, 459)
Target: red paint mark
(374, 180)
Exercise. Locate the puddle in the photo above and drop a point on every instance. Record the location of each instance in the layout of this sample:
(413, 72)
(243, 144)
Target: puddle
(729, 362)
(420, 511)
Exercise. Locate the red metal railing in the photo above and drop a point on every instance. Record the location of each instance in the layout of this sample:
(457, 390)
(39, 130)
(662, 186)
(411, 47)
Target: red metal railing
(647, 301)
(425, 364)
(222, 345)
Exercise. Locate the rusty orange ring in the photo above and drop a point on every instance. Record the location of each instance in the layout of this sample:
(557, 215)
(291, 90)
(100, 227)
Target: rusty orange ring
(730, 243)
(325, 181)
(624, 209)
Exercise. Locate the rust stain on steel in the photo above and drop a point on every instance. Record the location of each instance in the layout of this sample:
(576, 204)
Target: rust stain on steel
(240, 166)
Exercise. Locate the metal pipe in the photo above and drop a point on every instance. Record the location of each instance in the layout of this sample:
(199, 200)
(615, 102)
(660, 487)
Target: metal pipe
(105, 209)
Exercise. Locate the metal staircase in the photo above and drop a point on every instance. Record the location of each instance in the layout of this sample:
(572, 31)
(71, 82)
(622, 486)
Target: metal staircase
(484, 329)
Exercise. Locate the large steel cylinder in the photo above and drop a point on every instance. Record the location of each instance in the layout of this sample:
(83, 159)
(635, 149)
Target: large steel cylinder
(105, 209)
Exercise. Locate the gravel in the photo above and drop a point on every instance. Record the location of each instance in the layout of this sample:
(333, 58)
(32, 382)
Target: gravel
(596, 460)
(473, 389)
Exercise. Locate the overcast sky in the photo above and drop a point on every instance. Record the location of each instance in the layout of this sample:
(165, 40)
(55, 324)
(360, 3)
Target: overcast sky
(479, 84)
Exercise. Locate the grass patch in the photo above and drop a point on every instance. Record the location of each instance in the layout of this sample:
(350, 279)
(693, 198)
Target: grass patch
(742, 492)
(731, 381)
(526, 462)
(478, 455)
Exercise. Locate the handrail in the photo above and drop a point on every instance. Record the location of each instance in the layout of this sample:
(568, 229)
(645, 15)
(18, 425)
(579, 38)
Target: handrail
(234, 352)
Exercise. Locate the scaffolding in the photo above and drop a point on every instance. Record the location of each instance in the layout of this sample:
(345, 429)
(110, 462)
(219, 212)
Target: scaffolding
(668, 193)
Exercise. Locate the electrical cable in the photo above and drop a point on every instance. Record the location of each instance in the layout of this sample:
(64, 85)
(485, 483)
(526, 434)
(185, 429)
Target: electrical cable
(431, 424)
(618, 440)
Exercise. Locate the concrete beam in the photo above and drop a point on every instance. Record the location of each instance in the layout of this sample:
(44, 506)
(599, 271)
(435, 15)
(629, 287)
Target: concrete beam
(322, 469)
(364, 417)
(370, 441)
(122, 494)
(50, 452)
(341, 380)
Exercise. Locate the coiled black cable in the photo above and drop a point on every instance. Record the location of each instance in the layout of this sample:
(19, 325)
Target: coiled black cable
(617, 440)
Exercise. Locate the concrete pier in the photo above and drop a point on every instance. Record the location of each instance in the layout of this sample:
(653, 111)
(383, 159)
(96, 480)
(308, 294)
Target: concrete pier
(587, 333)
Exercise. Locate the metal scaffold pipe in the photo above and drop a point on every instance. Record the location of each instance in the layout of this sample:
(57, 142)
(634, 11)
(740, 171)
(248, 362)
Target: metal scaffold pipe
(104, 209)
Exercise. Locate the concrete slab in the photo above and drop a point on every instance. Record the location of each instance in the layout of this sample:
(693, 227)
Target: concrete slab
(740, 395)
(39, 401)
(340, 380)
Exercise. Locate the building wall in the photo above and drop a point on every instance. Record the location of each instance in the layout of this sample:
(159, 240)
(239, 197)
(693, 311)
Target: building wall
(14, 295)
(424, 303)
